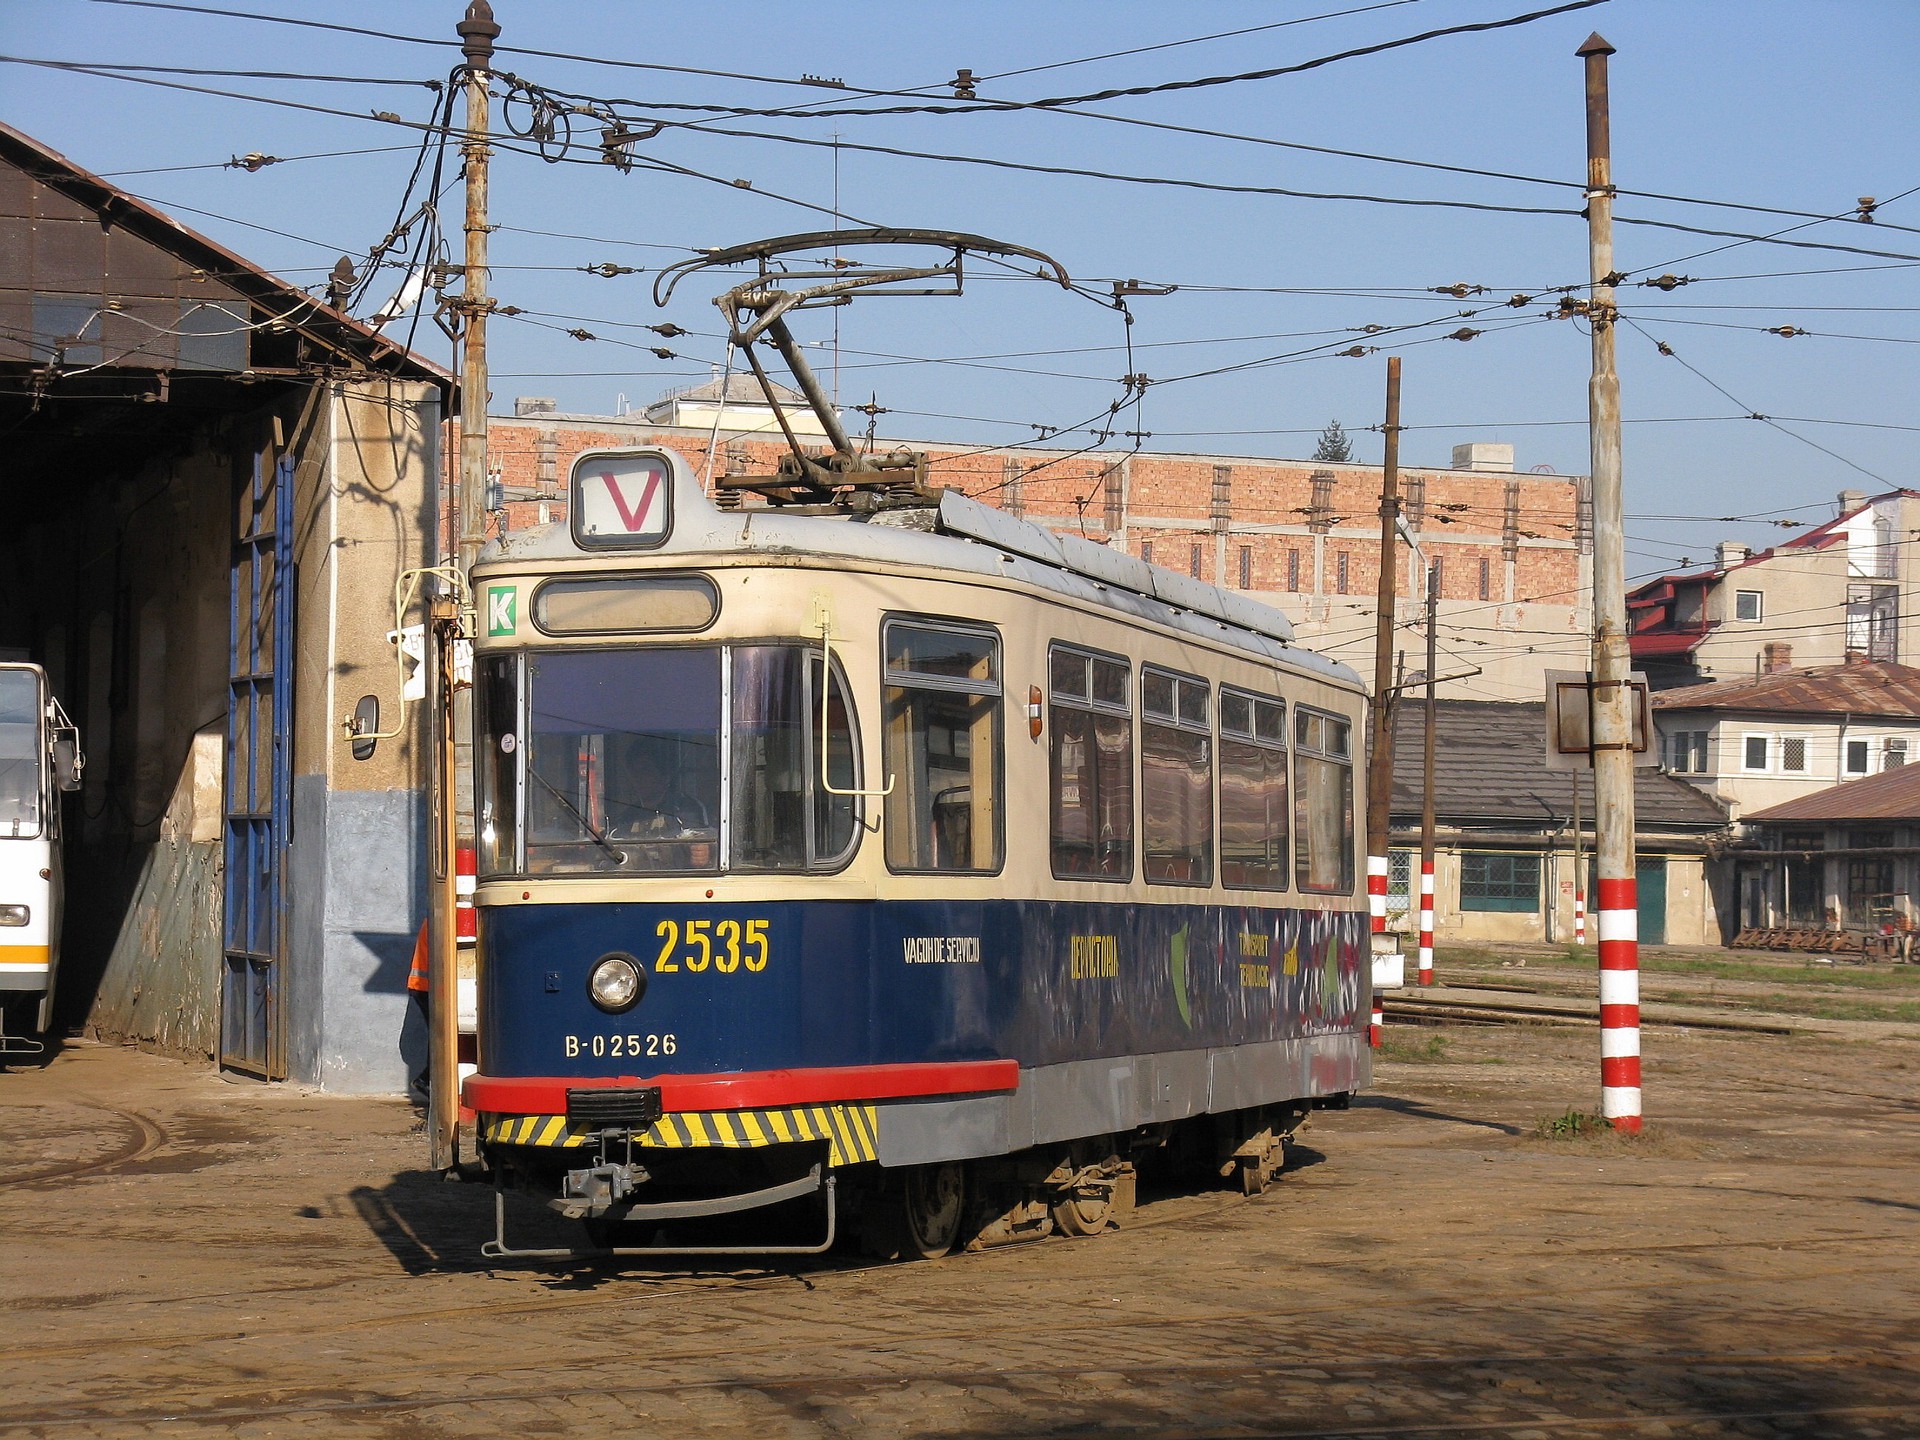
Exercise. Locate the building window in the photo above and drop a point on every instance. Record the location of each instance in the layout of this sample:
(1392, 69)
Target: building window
(1090, 717)
(1895, 754)
(1322, 803)
(1146, 551)
(1793, 754)
(1486, 578)
(1193, 562)
(943, 747)
(1399, 885)
(1176, 778)
(1857, 757)
(1340, 573)
(1746, 605)
(1805, 876)
(1253, 792)
(1246, 567)
(1293, 572)
(1500, 880)
(1687, 752)
(1754, 756)
(1873, 621)
(1870, 897)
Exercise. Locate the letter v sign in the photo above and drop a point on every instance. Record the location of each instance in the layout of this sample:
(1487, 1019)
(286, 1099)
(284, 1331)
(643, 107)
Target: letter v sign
(635, 519)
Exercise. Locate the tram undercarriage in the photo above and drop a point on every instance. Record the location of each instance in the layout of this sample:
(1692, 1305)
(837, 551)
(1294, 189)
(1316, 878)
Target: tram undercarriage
(638, 1189)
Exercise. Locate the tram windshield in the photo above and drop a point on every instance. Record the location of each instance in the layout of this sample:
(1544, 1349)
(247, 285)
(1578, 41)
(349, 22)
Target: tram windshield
(21, 753)
(611, 760)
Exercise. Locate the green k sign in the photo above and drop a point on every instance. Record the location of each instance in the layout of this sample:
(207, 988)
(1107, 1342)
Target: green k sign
(500, 607)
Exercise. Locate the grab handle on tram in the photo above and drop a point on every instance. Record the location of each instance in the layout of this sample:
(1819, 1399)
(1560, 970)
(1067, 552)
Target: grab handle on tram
(826, 691)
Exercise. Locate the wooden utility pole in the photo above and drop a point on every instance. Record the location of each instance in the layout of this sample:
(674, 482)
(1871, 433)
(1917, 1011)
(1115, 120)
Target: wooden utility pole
(477, 33)
(443, 974)
(1426, 789)
(1612, 727)
(1380, 761)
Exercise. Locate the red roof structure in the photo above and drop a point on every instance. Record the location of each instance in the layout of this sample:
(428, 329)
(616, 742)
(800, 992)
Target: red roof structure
(1890, 795)
(1866, 687)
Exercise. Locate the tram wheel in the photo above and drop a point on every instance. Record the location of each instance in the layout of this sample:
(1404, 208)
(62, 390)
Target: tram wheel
(920, 1217)
(1253, 1177)
(1081, 1217)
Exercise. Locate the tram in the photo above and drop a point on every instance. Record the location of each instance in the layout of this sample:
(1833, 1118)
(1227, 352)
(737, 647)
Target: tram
(895, 867)
(39, 759)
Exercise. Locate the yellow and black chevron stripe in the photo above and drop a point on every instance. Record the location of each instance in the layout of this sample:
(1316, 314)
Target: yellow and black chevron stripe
(851, 1131)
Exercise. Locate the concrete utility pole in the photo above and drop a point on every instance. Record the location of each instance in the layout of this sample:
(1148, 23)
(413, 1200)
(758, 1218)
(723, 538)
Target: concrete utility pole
(1612, 728)
(1380, 762)
(1426, 794)
(477, 33)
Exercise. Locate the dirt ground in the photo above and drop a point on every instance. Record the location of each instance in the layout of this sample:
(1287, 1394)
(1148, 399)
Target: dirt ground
(186, 1255)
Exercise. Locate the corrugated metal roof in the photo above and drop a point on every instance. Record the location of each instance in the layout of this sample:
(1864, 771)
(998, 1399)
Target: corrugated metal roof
(1867, 687)
(118, 210)
(1890, 795)
(1490, 767)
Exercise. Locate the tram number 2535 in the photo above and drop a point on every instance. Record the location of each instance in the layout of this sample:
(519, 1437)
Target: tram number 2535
(725, 945)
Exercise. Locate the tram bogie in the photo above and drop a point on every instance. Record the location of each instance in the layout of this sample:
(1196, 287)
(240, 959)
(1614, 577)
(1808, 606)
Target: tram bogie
(920, 870)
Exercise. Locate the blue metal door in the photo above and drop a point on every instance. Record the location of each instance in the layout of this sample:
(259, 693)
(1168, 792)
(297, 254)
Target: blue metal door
(259, 770)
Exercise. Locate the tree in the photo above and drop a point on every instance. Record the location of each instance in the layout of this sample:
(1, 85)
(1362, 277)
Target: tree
(1334, 446)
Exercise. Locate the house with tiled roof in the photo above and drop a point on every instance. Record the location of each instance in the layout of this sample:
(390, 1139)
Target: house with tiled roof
(1764, 740)
(1505, 865)
(1843, 858)
(1824, 597)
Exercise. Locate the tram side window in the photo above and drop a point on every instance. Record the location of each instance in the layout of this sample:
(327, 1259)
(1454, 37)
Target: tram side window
(1253, 792)
(496, 761)
(1323, 802)
(20, 779)
(943, 728)
(1176, 778)
(1090, 717)
(623, 768)
(782, 817)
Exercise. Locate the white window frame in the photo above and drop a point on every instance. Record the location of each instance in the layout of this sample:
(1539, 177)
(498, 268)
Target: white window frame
(1866, 757)
(1805, 766)
(1746, 765)
(1759, 606)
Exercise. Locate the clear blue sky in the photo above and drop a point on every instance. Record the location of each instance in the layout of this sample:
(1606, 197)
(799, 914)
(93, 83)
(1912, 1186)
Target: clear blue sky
(1777, 103)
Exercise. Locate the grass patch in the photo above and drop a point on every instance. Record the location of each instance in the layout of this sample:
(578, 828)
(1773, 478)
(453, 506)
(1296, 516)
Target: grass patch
(1425, 1050)
(1570, 1126)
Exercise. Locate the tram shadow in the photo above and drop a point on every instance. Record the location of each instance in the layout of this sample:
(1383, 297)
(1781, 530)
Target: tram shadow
(427, 1222)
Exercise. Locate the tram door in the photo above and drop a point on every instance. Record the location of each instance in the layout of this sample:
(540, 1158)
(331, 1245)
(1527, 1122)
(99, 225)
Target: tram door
(259, 780)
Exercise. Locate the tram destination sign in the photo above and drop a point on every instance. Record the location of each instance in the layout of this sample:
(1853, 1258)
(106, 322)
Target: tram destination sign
(621, 499)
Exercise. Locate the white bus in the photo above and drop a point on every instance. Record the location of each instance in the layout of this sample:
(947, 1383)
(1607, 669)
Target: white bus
(39, 758)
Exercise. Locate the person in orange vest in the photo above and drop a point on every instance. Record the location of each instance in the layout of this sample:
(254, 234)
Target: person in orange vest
(419, 1074)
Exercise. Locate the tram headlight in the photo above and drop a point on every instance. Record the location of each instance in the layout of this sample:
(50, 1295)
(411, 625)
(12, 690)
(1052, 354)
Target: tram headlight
(15, 915)
(615, 984)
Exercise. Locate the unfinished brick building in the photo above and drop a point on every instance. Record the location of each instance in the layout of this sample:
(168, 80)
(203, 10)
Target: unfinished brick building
(1514, 549)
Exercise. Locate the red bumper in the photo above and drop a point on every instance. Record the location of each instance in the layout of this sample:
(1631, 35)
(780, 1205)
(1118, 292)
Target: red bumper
(749, 1090)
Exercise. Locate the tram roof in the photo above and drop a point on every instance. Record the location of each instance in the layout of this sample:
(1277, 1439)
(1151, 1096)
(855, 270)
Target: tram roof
(959, 534)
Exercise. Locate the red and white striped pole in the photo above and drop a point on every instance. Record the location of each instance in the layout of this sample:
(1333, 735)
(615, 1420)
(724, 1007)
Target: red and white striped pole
(465, 880)
(1620, 1003)
(1426, 922)
(1579, 916)
(1377, 892)
(1612, 705)
(1378, 1023)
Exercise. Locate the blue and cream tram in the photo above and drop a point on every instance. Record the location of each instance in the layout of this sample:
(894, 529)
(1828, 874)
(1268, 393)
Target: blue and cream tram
(918, 865)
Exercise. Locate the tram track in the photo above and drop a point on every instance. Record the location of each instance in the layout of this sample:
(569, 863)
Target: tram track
(147, 1138)
(1580, 1371)
(1461, 1009)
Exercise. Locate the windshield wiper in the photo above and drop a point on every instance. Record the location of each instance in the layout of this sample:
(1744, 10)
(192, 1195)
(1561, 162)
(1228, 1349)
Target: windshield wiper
(618, 856)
